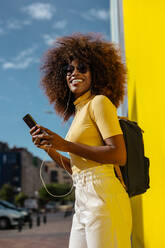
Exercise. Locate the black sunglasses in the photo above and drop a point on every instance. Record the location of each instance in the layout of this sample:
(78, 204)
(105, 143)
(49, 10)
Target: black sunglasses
(69, 69)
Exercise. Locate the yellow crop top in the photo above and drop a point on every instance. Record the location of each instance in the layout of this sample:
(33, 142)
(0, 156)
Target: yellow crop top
(95, 120)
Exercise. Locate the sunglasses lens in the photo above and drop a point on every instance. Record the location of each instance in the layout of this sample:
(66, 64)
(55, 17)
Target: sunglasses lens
(82, 68)
(68, 69)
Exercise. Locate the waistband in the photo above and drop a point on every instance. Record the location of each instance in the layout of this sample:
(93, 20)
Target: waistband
(93, 173)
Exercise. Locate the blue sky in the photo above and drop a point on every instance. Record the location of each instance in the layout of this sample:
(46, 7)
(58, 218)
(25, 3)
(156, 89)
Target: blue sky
(27, 30)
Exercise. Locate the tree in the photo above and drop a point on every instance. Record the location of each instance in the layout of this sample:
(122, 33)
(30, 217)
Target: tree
(20, 198)
(55, 189)
(7, 192)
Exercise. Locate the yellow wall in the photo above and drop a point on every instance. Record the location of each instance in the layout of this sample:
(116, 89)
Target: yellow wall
(144, 31)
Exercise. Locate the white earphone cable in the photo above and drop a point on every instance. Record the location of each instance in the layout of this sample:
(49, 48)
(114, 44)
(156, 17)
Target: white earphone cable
(42, 180)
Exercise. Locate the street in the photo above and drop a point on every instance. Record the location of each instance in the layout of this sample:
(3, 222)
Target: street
(53, 234)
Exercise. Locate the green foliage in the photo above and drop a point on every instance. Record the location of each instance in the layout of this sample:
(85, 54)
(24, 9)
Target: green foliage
(20, 198)
(55, 189)
(70, 197)
(7, 192)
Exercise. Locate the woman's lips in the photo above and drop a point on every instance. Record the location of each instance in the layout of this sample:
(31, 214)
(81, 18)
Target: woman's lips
(76, 81)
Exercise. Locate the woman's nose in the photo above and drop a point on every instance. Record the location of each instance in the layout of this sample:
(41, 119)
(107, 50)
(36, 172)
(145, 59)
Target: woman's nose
(75, 72)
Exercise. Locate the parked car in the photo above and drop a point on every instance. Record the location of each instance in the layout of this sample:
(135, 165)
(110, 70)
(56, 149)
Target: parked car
(25, 212)
(9, 218)
(31, 204)
(51, 206)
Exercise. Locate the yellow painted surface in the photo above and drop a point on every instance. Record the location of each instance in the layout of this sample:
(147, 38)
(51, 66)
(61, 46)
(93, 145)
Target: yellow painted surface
(144, 30)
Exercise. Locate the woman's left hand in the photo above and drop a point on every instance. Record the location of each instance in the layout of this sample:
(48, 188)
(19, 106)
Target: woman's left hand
(49, 139)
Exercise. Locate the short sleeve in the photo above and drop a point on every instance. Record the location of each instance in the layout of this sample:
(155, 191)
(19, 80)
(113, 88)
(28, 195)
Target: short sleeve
(104, 114)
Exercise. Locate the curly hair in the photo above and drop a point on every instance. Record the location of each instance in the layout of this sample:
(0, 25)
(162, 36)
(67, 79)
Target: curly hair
(105, 63)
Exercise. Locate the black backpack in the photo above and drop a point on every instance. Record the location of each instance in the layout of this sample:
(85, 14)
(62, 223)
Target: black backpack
(135, 173)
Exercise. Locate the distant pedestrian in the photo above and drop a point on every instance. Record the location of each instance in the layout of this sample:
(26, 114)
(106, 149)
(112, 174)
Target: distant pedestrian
(84, 77)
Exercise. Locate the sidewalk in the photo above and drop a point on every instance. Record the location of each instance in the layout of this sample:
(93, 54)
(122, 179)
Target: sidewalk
(53, 234)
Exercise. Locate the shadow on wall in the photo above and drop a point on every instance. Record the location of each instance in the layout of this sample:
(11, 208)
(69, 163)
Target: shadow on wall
(134, 114)
(136, 201)
(137, 222)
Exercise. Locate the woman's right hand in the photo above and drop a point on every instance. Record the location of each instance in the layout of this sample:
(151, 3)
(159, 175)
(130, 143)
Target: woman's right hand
(36, 131)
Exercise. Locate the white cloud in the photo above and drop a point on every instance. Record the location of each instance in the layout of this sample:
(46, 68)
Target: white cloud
(27, 22)
(25, 53)
(24, 59)
(20, 65)
(14, 24)
(49, 39)
(60, 24)
(2, 60)
(99, 14)
(17, 24)
(2, 31)
(5, 99)
(39, 11)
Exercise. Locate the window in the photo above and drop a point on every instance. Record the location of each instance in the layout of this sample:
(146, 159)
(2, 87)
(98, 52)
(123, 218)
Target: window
(54, 176)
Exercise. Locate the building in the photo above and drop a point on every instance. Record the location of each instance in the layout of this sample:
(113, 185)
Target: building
(21, 169)
(57, 174)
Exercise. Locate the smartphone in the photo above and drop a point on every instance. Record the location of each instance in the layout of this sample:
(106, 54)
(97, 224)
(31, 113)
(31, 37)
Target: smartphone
(28, 119)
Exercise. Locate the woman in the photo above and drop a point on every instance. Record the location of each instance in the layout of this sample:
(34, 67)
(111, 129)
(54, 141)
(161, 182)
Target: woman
(83, 76)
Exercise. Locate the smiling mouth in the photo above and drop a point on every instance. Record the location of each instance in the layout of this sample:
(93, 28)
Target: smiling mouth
(75, 81)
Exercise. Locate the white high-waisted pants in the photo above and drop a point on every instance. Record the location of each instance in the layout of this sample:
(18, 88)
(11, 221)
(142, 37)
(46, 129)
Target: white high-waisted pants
(102, 216)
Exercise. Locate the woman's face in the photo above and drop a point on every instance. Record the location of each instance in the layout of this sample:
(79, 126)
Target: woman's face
(78, 77)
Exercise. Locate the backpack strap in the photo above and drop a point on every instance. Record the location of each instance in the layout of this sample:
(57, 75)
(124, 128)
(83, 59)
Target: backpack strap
(119, 175)
(123, 117)
(116, 167)
(126, 118)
